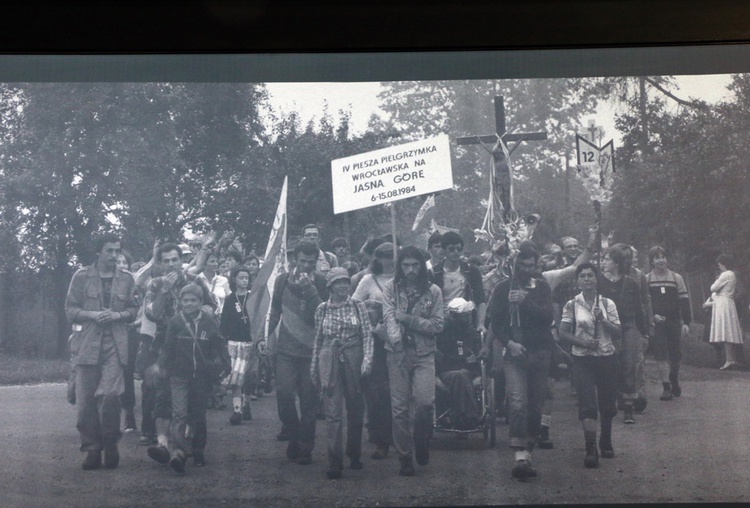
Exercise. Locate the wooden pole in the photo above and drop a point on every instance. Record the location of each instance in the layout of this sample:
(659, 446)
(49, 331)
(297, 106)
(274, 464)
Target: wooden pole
(393, 233)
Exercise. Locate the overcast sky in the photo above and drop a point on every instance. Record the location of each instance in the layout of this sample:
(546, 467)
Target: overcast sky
(309, 99)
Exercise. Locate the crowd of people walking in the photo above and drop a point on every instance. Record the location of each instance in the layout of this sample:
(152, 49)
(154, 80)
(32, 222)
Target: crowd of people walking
(378, 347)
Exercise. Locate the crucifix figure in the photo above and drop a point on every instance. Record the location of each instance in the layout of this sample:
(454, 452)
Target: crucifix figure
(500, 152)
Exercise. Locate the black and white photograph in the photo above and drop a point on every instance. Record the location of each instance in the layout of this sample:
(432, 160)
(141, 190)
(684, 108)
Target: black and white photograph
(467, 277)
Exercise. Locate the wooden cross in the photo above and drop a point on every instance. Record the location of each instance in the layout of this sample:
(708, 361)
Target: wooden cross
(499, 160)
(595, 132)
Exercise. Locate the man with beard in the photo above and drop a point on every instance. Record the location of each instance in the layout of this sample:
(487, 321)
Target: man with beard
(413, 315)
(521, 314)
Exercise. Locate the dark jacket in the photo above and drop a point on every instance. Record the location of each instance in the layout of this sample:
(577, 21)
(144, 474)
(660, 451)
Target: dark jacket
(232, 326)
(85, 294)
(294, 305)
(180, 355)
(536, 313)
(474, 289)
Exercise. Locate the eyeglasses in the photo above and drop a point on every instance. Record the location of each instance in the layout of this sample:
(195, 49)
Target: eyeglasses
(454, 248)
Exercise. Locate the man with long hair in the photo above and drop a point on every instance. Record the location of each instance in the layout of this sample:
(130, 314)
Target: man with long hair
(521, 314)
(413, 314)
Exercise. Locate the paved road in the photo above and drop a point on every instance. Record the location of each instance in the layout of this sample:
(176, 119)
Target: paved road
(692, 449)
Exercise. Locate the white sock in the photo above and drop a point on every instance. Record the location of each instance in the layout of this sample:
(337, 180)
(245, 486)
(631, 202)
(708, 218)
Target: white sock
(546, 420)
(162, 440)
(237, 403)
(523, 455)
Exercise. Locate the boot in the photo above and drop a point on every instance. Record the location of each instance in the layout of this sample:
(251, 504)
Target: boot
(111, 456)
(545, 443)
(591, 460)
(93, 460)
(605, 445)
(334, 472)
(676, 390)
(407, 466)
(667, 393)
(380, 453)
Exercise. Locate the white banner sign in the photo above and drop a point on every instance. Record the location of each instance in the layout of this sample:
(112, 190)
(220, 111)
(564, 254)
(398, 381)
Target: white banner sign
(391, 174)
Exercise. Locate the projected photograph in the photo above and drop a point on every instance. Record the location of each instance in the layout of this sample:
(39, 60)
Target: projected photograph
(521, 287)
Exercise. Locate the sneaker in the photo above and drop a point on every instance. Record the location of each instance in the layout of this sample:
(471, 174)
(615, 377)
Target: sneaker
(111, 456)
(422, 450)
(666, 394)
(236, 418)
(521, 470)
(292, 450)
(246, 413)
(130, 425)
(544, 442)
(305, 459)
(177, 462)
(355, 464)
(92, 461)
(199, 460)
(380, 453)
(159, 453)
(629, 414)
(591, 460)
(407, 467)
(253, 397)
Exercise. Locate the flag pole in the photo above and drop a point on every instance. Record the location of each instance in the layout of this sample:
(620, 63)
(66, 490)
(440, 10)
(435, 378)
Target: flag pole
(393, 231)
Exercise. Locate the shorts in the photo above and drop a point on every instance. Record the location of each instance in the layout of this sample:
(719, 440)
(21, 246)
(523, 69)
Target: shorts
(665, 344)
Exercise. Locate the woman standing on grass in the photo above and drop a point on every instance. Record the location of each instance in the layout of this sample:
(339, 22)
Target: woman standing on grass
(725, 325)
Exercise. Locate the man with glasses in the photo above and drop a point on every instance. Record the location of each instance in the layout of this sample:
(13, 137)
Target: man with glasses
(521, 314)
(326, 260)
(458, 343)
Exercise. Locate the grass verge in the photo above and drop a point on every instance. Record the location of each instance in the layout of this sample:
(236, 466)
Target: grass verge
(16, 370)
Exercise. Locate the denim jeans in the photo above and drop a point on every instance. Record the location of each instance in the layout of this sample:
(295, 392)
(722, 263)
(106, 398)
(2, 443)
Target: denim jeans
(127, 399)
(378, 397)
(188, 428)
(346, 387)
(293, 380)
(412, 381)
(98, 390)
(525, 389)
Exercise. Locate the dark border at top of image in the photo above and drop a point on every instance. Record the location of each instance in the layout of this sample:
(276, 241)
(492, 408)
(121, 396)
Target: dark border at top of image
(263, 40)
(221, 26)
